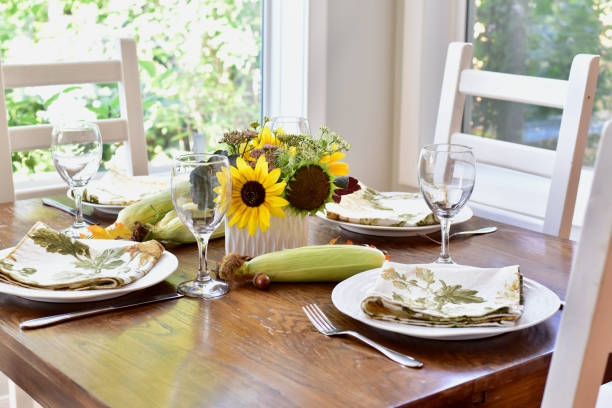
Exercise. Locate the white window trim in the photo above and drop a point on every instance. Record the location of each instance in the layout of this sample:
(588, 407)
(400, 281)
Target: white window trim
(285, 45)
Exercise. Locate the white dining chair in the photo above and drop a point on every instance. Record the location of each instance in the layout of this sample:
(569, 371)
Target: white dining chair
(129, 127)
(574, 96)
(584, 340)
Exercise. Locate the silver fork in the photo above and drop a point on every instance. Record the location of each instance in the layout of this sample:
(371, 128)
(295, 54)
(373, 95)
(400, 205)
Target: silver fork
(485, 230)
(322, 324)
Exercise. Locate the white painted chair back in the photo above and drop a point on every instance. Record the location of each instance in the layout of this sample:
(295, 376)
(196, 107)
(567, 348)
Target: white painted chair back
(129, 127)
(574, 96)
(585, 334)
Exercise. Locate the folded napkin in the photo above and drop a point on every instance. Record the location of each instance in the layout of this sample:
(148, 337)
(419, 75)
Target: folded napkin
(47, 259)
(119, 189)
(391, 209)
(446, 295)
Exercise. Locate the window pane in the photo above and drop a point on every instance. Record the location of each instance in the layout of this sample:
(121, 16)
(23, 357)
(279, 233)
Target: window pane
(199, 64)
(538, 38)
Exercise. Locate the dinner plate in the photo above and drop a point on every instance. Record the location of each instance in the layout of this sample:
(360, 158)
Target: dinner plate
(388, 231)
(540, 304)
(164, 267)
(110, 209)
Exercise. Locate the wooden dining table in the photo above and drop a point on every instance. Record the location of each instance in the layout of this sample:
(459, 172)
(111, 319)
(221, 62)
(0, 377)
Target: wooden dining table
(256, 347)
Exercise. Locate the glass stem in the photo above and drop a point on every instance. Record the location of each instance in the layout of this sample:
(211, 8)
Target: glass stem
(444, 250)
(77, 193)
(202, 240)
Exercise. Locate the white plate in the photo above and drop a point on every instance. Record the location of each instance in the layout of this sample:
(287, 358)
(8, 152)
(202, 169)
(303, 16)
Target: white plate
(540, 304)
(110, 209)
(386, 231)
(166, 265)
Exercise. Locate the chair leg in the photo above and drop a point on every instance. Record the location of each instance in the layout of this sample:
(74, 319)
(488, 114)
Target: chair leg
(18, 398)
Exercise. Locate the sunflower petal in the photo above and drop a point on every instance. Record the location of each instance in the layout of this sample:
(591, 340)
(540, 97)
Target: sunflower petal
(252, 222)
(275, 189)
(272, 178)
(261, 169)
(264, 217)
(275, 211)
(275, 201)
(339, 169)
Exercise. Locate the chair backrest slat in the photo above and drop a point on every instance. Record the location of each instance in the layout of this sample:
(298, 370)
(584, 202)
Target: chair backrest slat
(575, 96)
(527, 159)
(584, 340)
(60, 73)
(32, 137)
(514, 88)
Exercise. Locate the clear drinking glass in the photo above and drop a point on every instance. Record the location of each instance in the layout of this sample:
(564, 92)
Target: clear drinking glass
(201, 194)
(446, 179)
(76, 148)
(291, 125)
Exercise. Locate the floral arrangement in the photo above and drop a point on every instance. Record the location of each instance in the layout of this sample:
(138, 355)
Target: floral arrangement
(274, 172)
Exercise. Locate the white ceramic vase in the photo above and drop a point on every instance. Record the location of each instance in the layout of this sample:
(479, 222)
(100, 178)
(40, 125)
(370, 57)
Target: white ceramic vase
(290, 231)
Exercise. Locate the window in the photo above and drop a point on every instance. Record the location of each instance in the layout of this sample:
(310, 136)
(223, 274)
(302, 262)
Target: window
(538, 38)
(199, 66)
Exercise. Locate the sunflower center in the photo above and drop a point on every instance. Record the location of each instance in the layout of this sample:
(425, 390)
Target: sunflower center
(309, 188)
(253, 194)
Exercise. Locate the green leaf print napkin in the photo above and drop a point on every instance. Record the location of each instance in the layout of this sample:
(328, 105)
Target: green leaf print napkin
(390, 209)
(47, 259)
(446, 295)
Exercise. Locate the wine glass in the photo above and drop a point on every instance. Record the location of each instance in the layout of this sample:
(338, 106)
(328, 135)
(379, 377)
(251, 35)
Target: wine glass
(201, 193)
(446, 178)
(291, 125)
(76, 148)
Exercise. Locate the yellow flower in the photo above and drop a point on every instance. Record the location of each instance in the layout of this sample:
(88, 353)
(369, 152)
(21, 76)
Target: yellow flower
(223, 196)
(336, 168)
(292, 151)
(266, 137)
(114, 231)
(255, 195)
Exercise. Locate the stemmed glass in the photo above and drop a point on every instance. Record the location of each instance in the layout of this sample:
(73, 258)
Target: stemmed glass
(201, 193)
(446, 179)
(76, 148)
(291, 125)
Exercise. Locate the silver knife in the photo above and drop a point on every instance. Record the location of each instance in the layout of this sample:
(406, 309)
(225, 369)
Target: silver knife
(49, 320)
(56, 204)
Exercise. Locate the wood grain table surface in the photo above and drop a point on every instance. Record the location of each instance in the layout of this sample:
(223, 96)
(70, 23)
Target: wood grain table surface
(257, 348)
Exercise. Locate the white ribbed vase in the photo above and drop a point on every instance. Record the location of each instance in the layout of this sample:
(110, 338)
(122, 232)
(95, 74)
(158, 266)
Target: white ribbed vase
(290, 231)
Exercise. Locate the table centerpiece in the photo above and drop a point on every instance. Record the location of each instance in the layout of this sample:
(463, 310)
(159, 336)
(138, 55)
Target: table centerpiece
(277, 180)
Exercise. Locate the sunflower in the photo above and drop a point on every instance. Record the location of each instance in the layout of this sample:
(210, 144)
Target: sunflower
(255, 195)
(266, 137)
(221, 190)
(309, 188)
(336, 168)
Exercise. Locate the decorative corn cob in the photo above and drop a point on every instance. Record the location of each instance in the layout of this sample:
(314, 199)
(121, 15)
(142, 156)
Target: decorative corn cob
(148, 210)
(322, 263)
(155, 218)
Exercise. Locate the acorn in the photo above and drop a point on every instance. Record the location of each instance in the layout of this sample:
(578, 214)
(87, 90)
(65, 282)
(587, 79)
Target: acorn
(261, 281)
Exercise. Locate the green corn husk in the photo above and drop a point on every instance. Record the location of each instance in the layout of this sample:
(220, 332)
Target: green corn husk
(170, 230)
(322, 263)
(146, 211)
(155, 218)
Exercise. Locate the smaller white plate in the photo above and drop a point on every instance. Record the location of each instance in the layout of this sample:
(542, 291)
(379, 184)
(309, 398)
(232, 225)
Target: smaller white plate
(164, 267)
(385, 231)
(540, 304)
(110, 209)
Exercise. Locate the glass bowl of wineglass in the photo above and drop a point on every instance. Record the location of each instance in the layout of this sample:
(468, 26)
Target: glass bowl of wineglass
(76, 149)
(291, 125)
(201, 193)
(446, 178)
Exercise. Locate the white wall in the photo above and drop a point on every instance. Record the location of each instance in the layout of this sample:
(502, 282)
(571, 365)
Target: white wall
(380, 86)
(358, 98)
